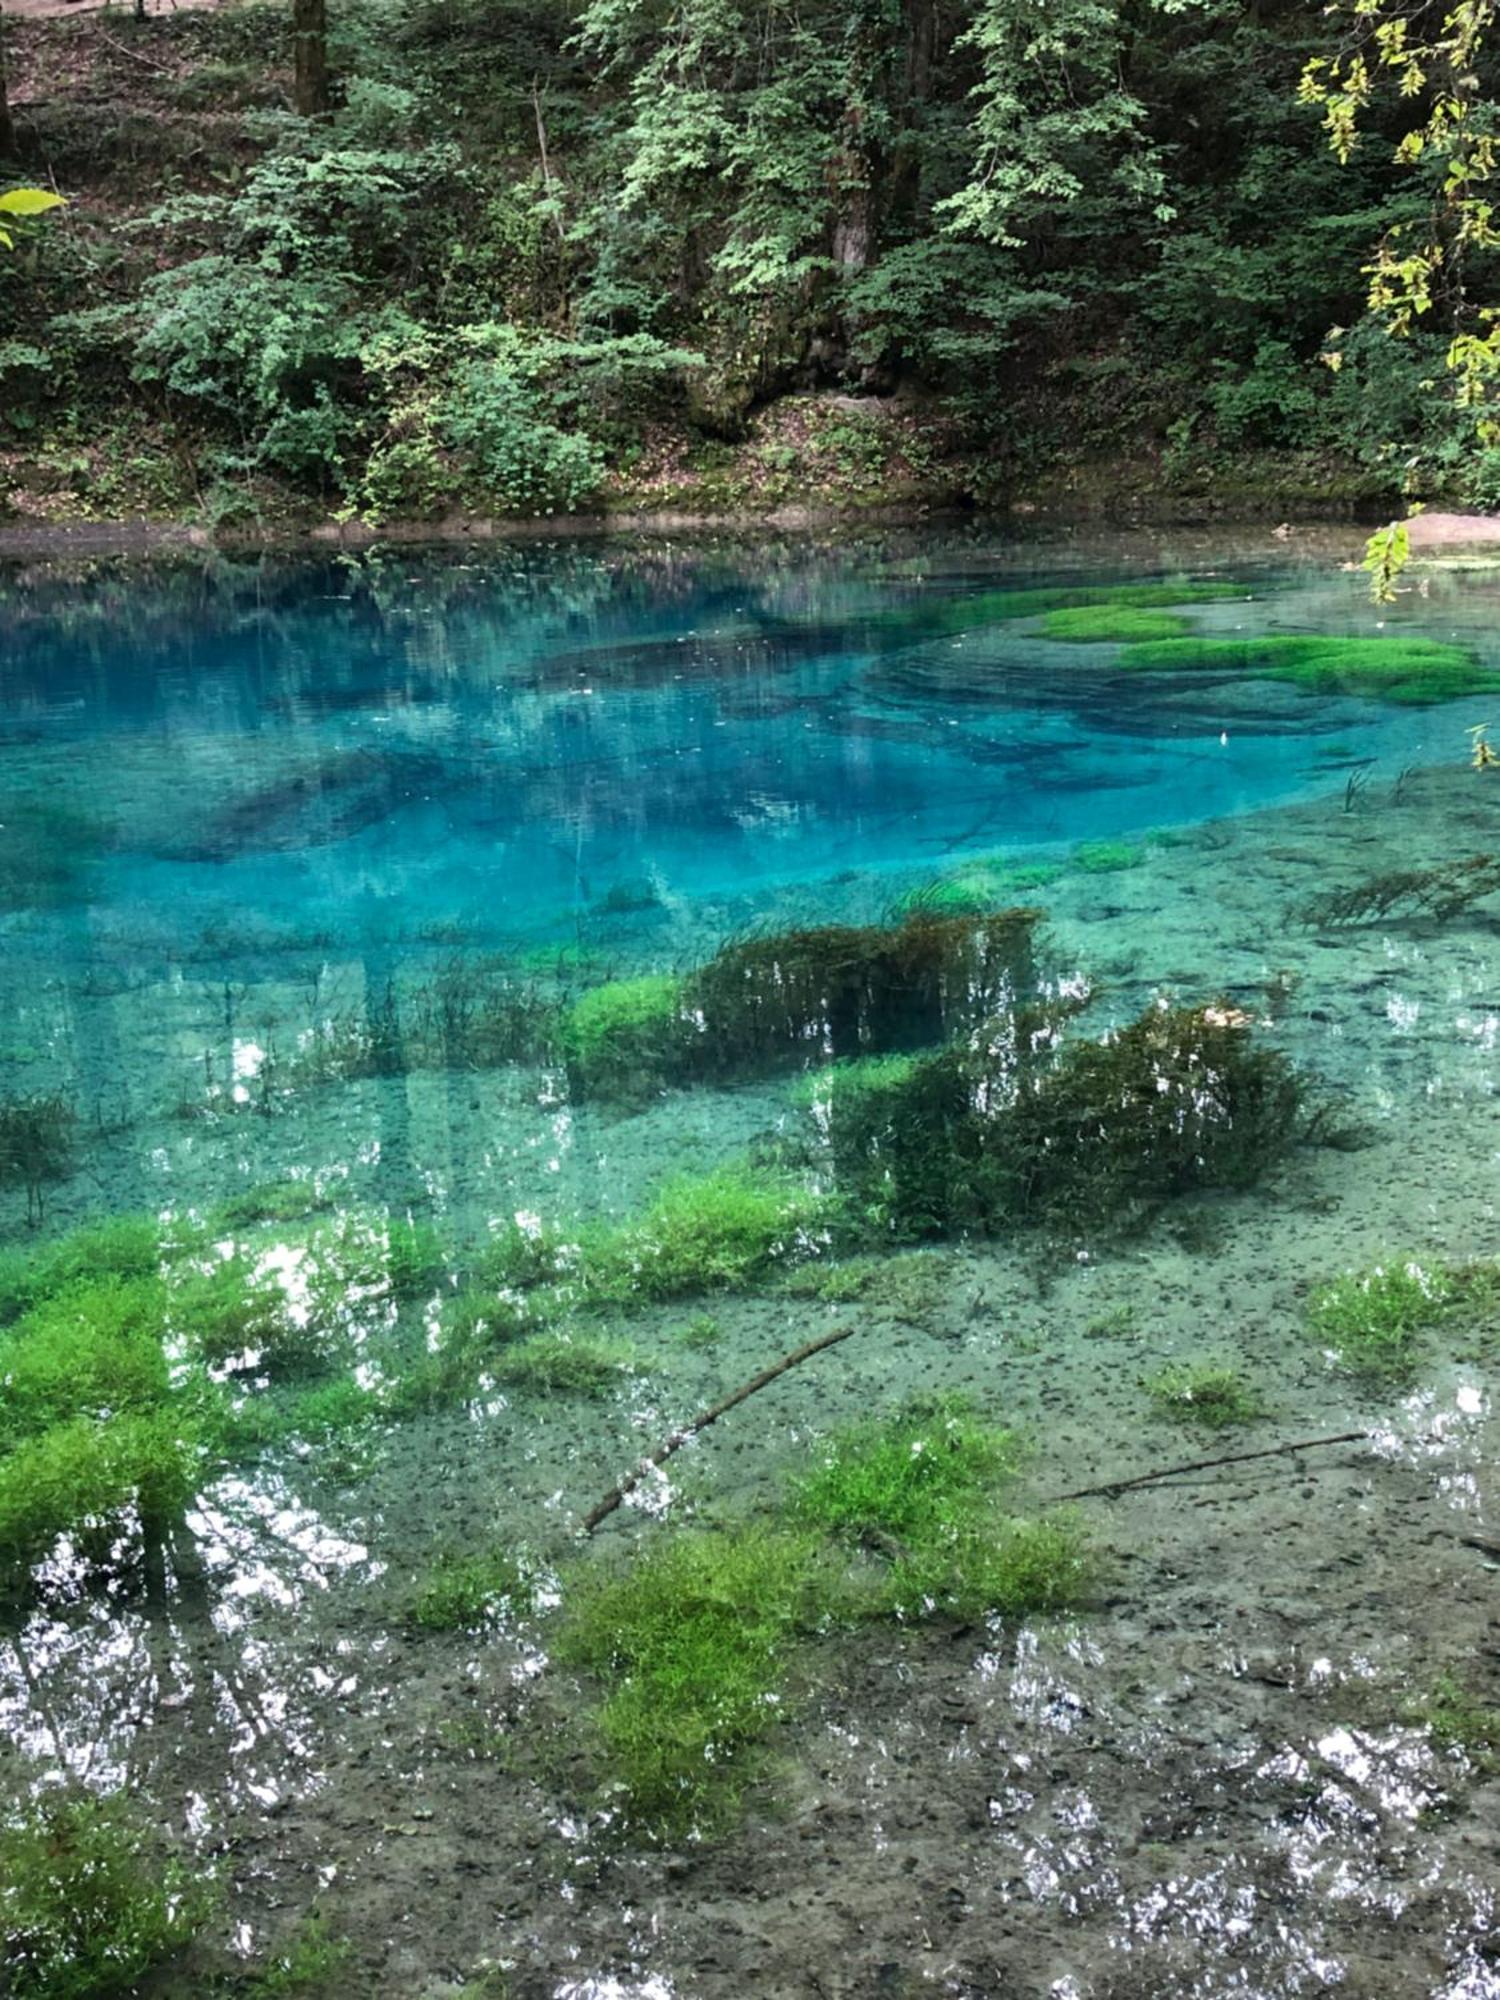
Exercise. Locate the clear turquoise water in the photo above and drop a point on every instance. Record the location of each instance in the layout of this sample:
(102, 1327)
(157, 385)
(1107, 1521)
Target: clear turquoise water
(243, 808)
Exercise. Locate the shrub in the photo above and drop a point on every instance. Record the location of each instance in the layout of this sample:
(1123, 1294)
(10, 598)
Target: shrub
(91, 1350)
(563, 1364)
(88, 1902)
(625, 1039)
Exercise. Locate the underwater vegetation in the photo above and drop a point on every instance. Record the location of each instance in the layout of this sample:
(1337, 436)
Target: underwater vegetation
(1028, 1127)
(467, 1015)
(999, 607)
(563, 1364)
(1411, 671)
(1440, 893)
(464, 1593)
(89, 1901)
(1373, 1321)
(1106, 857)
(1213, 1395)
(47, 854)
(704, 1234)
(767, 1002)
(137, 1362)
(1122, 623)
(36, 1145)
(699, 1644)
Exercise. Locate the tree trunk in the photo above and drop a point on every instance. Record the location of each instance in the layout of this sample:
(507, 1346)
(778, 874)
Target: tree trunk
(7, 127)
(310, 39)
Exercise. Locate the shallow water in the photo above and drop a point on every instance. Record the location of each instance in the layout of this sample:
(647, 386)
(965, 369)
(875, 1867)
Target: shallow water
(289, 845)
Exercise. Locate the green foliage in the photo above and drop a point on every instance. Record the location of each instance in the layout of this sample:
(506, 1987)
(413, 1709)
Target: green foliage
(464, 1593)
(563, 1364)
(1457, 1721)
(90, 1350)
(1210, 1394)
(1409, 671)
(698, 1235)
(1095, 623)
(310, 1956)
(89, 1905)
(691, 1642)
(1373, 1320)
(625, 1037)
(84, 1478)
(124, 1246)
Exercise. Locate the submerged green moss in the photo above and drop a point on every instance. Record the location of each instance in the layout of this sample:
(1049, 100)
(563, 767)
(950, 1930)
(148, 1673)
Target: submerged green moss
(1399, 669)
(1091, 624)
(125, 1246)
(1373, 1321)
(462, 1593)
(89, 1902)
(692, 1641)
(563, 1364)
(698, 1235)
(86, 1475)
(626, 1036)
(1000, 607)
(1213, 1395)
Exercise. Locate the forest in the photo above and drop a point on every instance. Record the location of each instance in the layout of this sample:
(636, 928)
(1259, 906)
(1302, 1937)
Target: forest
(531, 257)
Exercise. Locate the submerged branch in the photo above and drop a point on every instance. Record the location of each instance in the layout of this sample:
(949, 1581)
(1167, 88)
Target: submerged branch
(1115, 1486)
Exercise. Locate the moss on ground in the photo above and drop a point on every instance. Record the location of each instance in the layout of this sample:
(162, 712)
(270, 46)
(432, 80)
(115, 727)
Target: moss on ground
(1093, 624)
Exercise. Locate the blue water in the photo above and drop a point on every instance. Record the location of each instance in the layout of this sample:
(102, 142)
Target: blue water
(501, 748)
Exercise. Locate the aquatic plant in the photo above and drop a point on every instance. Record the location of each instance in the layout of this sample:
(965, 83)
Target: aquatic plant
(36, 1144)
(1000, 607)
(1456, 1720)
(1028, 1127)
(843, 1082)
(1397, 668)
(1092, 624)
(691, 1641)
(1211, 1394)
(87, 1350)
(89, 1901)
(48, 854)
(302, 1964)
(86, 1475)
(234, 1313)
(1373, 1321)
(842, 992)
(1106, 857)
(703, 1330)
(124, 1246)
(701, 1234)
(517, 1257)
(921, 1489)
(966, 895)
(563, 1364)
(462, 1593)
(627, 1037)
(1440, 893)
(274, 1201)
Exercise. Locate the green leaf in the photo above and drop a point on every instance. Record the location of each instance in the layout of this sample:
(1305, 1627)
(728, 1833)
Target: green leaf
(29, 201)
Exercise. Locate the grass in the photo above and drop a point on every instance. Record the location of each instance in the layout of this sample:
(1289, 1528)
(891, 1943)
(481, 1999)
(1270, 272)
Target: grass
(922, 1489)
(563, 1364)
(1210, 1394)
(89, 1905)
(86, 1475)
(692, 1642)
(704, 1234)
(90, 1350)
(1411, 671)
(464, 1593)
(1373, 1321)
(621, 1039)
(127, 1246)
(1123, 623)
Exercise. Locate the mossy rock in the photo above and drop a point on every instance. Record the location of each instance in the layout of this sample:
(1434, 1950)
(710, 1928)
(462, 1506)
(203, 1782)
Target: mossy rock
(1412, 671)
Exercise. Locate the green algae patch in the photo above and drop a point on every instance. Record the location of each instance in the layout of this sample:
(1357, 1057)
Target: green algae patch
(1106, 857)
(1410, 671)
(90, 1903)
(692, 1642)
(1004, 607)
(89, 1478)
(564, 1364)
(1094, 624)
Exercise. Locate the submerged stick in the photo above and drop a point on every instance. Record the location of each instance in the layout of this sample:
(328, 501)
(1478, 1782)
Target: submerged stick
(679, 1438)
(1205, 1465)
